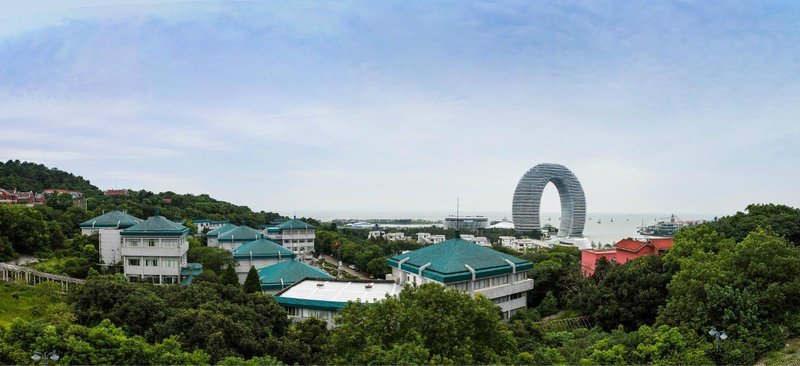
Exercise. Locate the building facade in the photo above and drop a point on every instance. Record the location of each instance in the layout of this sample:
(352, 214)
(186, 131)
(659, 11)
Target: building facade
(466, 266)
(206, 224)
(295, 235)
(259, 253)
(237, 237)
(108, 227)
(528, 197)
(466, 223)
(213, 235)
(623, 251)
(154, 250)
(322, 299)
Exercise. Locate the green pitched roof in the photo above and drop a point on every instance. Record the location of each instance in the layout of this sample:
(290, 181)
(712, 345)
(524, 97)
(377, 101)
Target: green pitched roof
(156, 226)
(190, 272)
(220, 230)
(117, 219)
(262, 248)
(448, 259)
(290, 272)
(294, 224)
(241, 233)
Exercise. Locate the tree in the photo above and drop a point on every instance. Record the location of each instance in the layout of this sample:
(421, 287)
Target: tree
(229, 277)
(252, 283)
(427, 323)
(549, 305)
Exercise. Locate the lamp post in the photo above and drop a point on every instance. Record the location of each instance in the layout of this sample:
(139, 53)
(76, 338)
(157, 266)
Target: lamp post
(44, 356)
(720, 335)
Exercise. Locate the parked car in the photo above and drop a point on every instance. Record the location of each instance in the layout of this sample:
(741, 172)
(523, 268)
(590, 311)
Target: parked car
(353, 267)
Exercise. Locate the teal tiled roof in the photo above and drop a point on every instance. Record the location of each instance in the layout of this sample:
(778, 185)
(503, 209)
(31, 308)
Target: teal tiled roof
(114, 219)
(262, 248)
(220, 230)
(241, 233)
(294, 224)
(290, 272)
(156, 226)
(448, 259)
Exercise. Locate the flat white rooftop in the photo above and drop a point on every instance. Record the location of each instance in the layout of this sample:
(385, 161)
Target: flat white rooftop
(341, 291)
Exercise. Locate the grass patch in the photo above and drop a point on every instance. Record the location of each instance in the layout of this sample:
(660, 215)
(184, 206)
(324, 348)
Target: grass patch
(25, 301)
(789, 355)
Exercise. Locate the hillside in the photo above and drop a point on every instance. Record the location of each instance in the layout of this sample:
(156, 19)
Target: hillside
(26, 176)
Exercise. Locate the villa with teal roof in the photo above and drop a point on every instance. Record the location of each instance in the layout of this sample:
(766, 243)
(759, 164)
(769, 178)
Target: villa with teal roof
(466, 266)
(259, 253)
(295, 235)
(154, 250)
(108, 227)
(213, 235)
(237, 237)
(279, 276)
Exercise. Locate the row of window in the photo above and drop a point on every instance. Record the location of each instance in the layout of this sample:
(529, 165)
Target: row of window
(502, 299)
(153, 262)
(290, 241)
(152, 243)
(489, 282)
(164, 280)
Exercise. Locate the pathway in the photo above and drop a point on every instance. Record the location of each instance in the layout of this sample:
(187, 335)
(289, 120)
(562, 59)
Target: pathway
(344, 267)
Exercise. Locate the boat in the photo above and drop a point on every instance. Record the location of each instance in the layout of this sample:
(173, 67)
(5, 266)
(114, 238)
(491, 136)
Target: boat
(612, 219)
(598, 221)
(664, 229)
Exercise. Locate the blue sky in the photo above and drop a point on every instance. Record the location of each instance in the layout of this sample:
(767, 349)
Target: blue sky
(402, 106)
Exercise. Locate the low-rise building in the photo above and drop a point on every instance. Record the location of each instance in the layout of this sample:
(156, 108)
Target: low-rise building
(466, 223)
(279, 276)
(322, 299)
(295, 235)
(14, 197)
(375, 234)
(237, 237)
(395, 236)
(213, 235)
(154, 250)
(623, 251)
(115, 192)
(507, 241)
(108, 227)
(206, 224)
(422, 238)
(466, 266)
(259, 253)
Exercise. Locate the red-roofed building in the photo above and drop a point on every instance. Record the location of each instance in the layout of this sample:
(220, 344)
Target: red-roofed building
(115, 192)
(623, 251)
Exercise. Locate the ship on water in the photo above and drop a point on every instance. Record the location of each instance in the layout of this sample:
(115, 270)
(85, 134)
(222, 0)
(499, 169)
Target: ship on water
(666, 229)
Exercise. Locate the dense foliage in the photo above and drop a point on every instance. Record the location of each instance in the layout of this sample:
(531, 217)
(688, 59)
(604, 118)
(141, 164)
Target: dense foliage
(422, 325)
(25, 176)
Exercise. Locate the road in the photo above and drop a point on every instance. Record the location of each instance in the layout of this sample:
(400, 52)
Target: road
(335, 262)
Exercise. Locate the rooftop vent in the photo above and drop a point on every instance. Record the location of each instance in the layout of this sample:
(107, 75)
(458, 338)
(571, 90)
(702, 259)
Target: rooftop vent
(320, 284)
(369, 285)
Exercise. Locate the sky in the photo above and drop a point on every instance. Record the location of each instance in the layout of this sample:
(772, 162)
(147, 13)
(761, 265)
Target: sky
(403, 106)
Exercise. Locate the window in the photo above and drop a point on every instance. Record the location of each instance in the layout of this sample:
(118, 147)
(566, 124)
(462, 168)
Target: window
(134, 262)
(151, 262)
(132, 243)
(521, 276)
(151, 242)
(169, 243)
(515, 296)
(483, 283)
(499, 280)
(460, 286)
(169, 262)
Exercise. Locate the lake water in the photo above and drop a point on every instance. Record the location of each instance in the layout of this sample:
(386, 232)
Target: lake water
(611, 227)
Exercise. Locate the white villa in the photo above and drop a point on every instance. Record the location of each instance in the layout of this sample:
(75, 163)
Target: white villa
(154, 250)
(466, 266)
(322, 298)
(259, 253)
(294, 235)
(108, 227)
